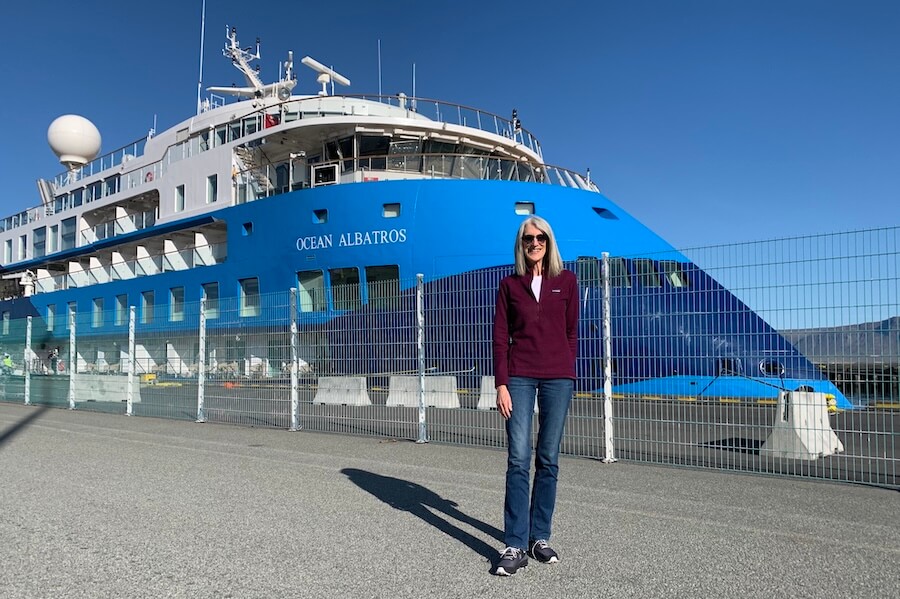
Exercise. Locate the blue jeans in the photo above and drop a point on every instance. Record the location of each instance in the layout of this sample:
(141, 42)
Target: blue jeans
(526, 520)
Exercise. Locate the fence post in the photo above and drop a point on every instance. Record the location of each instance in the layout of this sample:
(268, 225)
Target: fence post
(420, 350)
(201, 366)
(610, 454)
(295, 365)
(26, 361)
(129, 389)
(73, 359)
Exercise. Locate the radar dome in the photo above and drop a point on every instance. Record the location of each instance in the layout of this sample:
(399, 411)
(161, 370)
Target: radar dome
(74, 139)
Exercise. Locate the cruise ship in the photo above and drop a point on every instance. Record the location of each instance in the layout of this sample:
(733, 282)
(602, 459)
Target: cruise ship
(347, 198)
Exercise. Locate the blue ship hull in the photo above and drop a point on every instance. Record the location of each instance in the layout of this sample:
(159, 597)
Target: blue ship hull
(696, 340)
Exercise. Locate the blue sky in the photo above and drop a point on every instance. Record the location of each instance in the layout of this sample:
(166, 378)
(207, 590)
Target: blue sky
(710, 120)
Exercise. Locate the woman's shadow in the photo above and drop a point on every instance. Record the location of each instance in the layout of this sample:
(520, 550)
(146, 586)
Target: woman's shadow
(420, 501)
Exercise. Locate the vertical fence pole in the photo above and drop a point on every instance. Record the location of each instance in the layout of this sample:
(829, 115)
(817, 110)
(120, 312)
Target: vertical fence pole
(129, 389)
(26, 361)
(295, 365)
(610, 454)
(420, 350)
(201, 366)
(73, 360)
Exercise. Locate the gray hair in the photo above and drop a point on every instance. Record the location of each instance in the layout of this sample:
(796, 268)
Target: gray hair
(553, 264)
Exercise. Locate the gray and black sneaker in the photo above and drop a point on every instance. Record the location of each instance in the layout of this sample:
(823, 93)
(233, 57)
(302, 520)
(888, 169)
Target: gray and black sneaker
(541, 551)
(511, 560)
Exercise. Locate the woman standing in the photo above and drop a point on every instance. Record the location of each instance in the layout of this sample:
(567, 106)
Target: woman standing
(535, 344)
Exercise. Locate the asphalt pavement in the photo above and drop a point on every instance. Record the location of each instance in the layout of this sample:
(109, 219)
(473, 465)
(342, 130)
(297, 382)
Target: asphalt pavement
(104, 505)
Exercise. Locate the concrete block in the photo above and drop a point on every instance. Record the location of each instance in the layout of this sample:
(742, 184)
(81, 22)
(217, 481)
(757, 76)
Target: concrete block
(342, 391)
(801, 429)
(440, 391)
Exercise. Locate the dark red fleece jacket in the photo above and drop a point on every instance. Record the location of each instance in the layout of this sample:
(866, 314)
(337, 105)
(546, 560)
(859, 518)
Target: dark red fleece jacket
(533, 338)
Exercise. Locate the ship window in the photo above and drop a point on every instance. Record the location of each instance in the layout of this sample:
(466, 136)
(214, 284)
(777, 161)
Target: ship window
(646, 273)
(247, 229)
(39, 242)
(51, 316)
(67, 234)
(179, 198)
(405, 155)
(390, 210)
(771, 368)
(94, 191)
(23, 246)
(111, 185)
(311, 291)
(52, 244)
(97, 313)
(6, 323)
(587, 270)
(146, 307)
(249, 298)
(121, 309)
(383, 286)
(340, 150)
(77, 196)
(524, 208)
(221, 135)
(176, 304)
(7, 251)
(251, 124)
(729, 366)
(605, 213)
(439, 157)
(373, 150)
(618, 273)
(673, 274)
(211, 295)
(212, 188)
(345, 288)
(320, 216)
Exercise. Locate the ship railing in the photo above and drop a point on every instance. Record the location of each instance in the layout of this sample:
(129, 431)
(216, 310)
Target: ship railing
(454, 114)
(114, 227)
(142, 265)
(280, 177)
(100, 164)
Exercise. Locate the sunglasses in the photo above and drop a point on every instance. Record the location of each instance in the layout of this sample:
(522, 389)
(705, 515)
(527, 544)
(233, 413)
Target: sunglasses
(540, 238)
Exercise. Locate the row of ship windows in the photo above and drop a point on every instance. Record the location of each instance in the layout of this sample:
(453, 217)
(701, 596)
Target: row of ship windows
(644, 272)
(338, 289)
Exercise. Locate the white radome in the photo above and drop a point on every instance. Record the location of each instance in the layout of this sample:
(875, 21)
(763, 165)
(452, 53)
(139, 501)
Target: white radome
(74, 139)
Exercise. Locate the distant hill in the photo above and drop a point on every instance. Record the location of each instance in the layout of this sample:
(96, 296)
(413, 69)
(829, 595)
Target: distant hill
(870, 342)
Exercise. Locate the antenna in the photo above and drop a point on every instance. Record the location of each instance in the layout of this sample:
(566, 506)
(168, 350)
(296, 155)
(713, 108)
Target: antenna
(202, 34)
(379, 67)
(413, 101)
(326, 75)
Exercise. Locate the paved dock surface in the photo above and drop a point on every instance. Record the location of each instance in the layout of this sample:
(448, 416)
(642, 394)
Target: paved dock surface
(101, 505)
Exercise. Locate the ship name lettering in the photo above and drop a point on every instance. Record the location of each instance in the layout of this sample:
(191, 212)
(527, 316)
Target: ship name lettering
(314, 242)
(378, 237)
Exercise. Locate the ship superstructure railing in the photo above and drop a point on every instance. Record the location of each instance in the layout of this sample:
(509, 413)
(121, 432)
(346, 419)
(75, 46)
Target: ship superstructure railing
(145, 263)
(281, 177)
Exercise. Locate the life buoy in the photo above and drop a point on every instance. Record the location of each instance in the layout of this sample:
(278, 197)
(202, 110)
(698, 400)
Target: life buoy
(149, 177)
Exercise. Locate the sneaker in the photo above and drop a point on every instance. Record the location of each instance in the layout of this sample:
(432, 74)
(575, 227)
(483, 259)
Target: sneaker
(511, 560)
(541, 551)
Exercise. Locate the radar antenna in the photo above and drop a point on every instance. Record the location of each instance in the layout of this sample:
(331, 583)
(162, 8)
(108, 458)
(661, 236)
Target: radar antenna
(326, 74)
(241, 59)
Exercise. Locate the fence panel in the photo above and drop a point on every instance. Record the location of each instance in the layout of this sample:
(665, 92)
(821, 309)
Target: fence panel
(777, 357)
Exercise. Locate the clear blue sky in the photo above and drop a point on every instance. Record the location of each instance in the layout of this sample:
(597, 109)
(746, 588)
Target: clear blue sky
(710, 120)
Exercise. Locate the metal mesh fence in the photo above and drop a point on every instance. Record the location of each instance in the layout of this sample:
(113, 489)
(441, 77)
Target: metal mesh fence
(773, 357)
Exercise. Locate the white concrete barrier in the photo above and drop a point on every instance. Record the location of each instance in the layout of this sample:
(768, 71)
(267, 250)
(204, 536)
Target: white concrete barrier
(342, 391)
(104, 387)
(801, 429)
(487, 398)
(440, 391)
